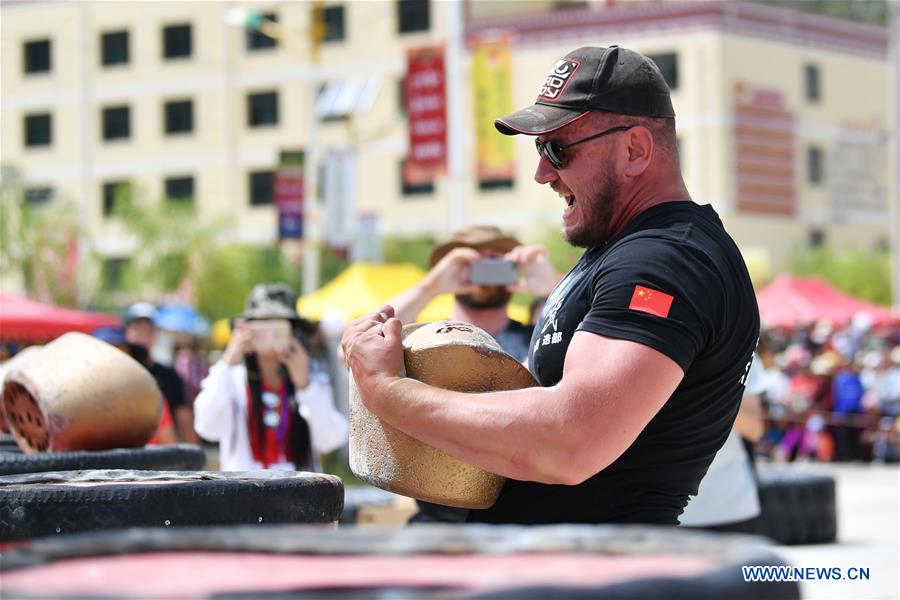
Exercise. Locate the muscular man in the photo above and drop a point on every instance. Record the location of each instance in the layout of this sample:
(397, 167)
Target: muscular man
(641, 350)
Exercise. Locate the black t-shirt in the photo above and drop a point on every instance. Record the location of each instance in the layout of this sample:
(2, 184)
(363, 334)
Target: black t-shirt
(703, 316)
(170, 384)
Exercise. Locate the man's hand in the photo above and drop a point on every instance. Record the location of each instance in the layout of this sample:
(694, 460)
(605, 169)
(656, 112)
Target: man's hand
(374, 353)
(538, 276)
(451, 273)
(241, 343)
(296, 361)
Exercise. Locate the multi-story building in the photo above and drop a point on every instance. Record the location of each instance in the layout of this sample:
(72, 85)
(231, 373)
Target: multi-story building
(783, 117)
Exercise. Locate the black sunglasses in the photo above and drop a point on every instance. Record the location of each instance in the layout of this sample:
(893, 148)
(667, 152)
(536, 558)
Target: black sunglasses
(556, 152)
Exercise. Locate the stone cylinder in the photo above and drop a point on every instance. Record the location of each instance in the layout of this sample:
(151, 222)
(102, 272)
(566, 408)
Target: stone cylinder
(79, 393)
(451, 355)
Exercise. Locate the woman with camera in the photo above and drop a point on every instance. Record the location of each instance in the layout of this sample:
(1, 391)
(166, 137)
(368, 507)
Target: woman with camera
(269, 401)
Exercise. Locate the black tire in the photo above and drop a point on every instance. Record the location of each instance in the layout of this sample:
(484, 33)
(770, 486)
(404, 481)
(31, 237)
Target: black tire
(41, 504)
(180, 457)
(213, 547)
(8, 443)
(797, 507)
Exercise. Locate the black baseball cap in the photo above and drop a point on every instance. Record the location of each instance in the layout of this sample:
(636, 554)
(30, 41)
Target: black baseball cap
(614, 80)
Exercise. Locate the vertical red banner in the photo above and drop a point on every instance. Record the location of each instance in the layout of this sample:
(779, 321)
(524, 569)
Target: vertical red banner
(426, 111)
(289, 194)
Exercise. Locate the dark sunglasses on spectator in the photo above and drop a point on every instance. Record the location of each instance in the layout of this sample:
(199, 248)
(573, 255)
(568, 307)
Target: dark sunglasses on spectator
(556, 152)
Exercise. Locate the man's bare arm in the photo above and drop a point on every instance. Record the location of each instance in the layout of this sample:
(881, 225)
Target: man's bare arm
(563, 434)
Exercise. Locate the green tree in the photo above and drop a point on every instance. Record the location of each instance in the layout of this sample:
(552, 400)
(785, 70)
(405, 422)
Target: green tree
(865, 274)
(413, 250)
(172, 244)
(39, 243)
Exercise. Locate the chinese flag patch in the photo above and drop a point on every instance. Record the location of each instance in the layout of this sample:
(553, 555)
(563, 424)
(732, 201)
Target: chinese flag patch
(651, 301)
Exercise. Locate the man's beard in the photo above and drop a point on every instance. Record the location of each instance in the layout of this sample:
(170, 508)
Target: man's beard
(487, 296)
(597, 214)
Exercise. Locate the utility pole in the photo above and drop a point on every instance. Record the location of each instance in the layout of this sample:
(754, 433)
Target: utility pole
(894, 103)
(456, 160)
(311, 214)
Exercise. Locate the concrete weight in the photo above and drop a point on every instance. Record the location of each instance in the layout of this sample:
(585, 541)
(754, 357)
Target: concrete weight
(79, 393)
(451, 355)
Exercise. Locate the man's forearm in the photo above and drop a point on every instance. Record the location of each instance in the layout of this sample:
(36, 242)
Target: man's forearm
(530, 444)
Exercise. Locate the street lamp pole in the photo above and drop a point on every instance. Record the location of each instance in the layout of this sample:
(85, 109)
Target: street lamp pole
(456, 162)
(894, 103)
(311, 212)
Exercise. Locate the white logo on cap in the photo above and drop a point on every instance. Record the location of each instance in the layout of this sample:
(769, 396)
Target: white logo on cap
(559, 77)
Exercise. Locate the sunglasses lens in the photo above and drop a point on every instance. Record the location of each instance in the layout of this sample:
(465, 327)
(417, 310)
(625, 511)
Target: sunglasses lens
(556, 154)
(550, 151)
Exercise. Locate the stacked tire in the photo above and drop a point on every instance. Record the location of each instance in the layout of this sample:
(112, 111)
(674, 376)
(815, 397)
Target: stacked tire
(797, 507)
(437, 561)
(178, 457)
(35, 505)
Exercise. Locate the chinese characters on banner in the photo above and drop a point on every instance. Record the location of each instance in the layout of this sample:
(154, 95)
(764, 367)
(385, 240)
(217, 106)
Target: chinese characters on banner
(426, 112)
(289, 194)
(492, 80)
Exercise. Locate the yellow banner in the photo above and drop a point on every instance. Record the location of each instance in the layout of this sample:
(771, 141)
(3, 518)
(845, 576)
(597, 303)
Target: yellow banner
(492, 78)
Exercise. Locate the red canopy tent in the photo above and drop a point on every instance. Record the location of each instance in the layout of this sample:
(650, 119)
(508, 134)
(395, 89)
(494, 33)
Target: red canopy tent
(24, 320)
(791, 301)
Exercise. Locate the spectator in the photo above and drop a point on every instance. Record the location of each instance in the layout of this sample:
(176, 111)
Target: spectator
(165, 432)
(268, 400)
(140, 330)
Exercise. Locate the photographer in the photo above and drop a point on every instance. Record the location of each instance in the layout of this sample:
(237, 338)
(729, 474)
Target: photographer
(482, 295)
(268, 401)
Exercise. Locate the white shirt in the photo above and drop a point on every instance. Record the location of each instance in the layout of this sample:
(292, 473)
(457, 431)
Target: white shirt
(220, 414)
(727, 493)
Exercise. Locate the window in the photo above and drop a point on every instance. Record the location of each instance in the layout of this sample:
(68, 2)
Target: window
(262, 109)
(262, 188)
(816, 237)
(116, 123)
(334, 23)
(180, 189)
(38, 130)
(38, 196)
(668, 66)
(413, 15)
(114, 48)
(115, 192)
(811, 81)
(113, 273)
(815, 168)
(176, 41)
(179, 116)
(487, 185)
(413, 189)
(37, 56)
(257, 40)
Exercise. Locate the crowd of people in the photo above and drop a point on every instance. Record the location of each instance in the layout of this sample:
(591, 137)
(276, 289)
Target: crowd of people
(831, 393)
